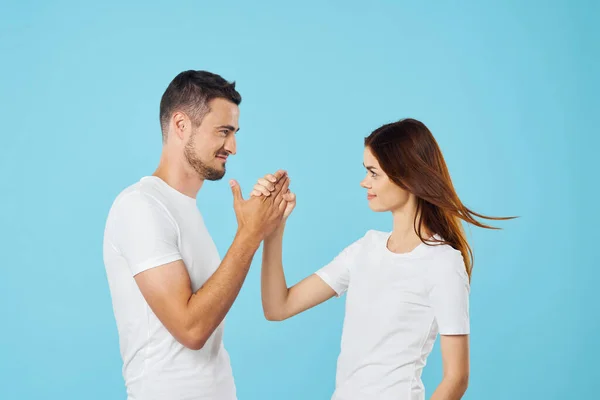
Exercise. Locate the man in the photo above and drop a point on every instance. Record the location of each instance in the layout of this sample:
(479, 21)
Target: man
(170, 289)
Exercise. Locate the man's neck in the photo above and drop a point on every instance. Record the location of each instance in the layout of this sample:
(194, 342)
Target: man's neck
(178, 178)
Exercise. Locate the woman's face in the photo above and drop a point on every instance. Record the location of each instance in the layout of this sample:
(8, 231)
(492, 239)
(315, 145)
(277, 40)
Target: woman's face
(382, 193)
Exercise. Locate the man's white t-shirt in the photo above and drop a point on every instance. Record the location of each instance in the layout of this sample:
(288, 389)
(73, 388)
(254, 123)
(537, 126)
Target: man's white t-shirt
(396, 305)
(151, 224)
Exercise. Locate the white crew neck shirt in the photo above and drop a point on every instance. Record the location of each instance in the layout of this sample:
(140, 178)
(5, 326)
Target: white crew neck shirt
(395, 307)
(152, 224)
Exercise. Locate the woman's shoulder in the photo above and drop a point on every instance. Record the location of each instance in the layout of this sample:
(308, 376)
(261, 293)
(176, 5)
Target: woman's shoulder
(375, 237)
(443, 254)
(444, 261)
(369, 238)
(375, 234)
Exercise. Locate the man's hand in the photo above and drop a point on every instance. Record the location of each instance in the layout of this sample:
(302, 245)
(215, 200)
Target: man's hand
(266, 185)
(259, 216)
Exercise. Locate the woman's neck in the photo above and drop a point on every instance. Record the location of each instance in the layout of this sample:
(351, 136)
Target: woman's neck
(404, 238)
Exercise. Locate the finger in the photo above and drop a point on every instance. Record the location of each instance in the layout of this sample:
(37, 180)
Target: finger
(279, 186)
(268, 185)
(271, 178)
(280, 174)
(289, 197)
(283, 190)
(262, 189)
(256, 193)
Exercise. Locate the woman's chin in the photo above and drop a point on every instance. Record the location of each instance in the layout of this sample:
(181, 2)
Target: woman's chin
(375, 207)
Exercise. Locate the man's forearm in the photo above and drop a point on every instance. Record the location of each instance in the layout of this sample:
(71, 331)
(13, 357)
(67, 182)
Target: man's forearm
(450, 389)
(209, 305)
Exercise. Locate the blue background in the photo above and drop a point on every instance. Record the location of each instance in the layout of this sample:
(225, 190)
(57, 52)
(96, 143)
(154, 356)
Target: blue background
(509, 90)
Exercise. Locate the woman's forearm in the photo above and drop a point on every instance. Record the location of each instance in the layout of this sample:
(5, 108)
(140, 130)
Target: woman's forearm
(274, 288)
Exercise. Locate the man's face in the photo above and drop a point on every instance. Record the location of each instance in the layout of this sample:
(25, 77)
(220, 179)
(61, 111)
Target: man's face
(210, 144)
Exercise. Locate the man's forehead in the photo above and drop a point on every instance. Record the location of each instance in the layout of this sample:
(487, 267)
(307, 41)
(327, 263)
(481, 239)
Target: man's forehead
(223, 104)
(220, 110)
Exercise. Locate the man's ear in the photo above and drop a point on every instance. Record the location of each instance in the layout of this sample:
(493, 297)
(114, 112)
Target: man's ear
(180, 123)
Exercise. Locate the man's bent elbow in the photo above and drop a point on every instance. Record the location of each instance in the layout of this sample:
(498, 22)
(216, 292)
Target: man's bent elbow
(194, 343)
(192, 339)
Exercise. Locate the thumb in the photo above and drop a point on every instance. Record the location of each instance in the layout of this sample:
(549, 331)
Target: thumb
(235, 189)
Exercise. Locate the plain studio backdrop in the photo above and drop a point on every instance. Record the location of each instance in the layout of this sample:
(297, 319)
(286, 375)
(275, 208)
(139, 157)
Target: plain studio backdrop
(509, 90)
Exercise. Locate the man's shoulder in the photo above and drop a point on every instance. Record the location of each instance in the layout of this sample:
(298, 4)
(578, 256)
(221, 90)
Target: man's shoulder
(138, 207)
(139, 195)
(131, 196)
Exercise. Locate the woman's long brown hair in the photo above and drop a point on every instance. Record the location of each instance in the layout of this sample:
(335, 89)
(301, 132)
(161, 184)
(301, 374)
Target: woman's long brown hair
(409, 154)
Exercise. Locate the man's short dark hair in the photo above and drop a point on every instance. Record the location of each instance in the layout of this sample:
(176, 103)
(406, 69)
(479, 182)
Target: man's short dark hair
(190, 92)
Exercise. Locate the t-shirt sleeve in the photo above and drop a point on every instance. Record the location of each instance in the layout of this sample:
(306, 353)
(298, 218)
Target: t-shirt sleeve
(449, 296)
(337, 273)
(144, 233)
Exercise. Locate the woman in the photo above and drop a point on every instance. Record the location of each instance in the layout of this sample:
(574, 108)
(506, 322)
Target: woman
(404, 287)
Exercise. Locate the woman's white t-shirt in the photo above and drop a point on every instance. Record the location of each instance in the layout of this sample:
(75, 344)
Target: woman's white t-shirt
(395, 307)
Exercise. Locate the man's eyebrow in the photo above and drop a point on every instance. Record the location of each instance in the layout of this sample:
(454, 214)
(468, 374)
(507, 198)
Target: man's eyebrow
(228, 127)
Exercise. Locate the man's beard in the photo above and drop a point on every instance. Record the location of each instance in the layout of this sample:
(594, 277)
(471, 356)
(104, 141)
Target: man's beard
(205, 171)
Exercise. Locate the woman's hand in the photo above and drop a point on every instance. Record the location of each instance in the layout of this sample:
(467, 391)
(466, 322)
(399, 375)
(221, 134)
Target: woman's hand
(264, 186)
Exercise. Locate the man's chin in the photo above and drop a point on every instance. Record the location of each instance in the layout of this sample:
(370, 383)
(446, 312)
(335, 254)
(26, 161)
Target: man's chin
(215, 175)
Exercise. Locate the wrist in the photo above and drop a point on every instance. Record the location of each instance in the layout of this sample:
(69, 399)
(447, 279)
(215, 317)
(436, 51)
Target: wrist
(277, 232)
(249, 236)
